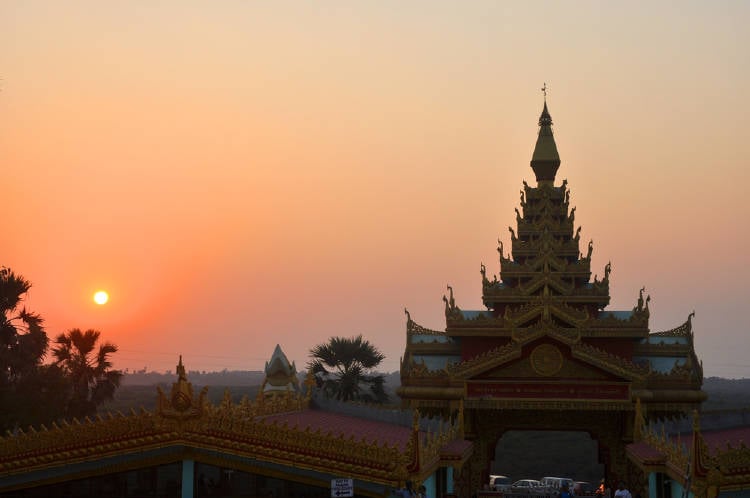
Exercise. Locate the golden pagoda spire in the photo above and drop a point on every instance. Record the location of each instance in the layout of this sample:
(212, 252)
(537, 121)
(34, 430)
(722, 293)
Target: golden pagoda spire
(545, 159)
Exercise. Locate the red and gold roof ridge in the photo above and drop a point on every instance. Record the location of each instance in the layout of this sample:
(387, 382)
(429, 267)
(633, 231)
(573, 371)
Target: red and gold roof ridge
(263, 429)
(724, 466)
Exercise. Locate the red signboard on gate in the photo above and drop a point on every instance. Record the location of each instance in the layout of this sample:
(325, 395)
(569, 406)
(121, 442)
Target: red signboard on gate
(527, 390)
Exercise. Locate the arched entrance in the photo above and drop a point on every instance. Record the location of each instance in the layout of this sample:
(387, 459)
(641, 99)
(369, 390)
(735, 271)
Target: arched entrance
(608, 432)
(535, 454)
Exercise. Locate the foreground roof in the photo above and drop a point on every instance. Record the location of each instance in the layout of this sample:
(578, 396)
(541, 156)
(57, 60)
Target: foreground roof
(285, 433)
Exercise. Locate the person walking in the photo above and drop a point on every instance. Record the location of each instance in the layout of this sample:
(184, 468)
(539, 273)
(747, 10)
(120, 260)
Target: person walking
(622, 491)
(565, 492)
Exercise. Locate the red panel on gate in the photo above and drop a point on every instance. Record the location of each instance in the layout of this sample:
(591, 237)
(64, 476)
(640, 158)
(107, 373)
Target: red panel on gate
(546, 391)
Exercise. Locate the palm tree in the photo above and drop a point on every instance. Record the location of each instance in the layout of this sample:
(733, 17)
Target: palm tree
(23, 341)
(92, 380)
(343, 367)
(23, 344)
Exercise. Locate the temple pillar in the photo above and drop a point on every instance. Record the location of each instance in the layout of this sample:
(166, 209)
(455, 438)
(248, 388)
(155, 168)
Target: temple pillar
(188, 478)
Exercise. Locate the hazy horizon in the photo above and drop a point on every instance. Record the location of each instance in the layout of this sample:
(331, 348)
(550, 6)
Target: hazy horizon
(240, 175)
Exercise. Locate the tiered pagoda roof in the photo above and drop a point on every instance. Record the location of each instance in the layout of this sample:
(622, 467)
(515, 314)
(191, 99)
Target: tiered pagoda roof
(545, 293)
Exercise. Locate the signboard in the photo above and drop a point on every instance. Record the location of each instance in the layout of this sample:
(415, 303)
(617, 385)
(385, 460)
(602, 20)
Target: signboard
(342, 488)
(547, 391)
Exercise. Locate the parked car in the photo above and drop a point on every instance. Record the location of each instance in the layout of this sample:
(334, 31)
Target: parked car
(556, 483)
(584, 488)
(500, 483)
(526, 485)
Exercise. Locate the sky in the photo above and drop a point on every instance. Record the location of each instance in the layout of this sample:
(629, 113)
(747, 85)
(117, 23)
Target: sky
(244, 174)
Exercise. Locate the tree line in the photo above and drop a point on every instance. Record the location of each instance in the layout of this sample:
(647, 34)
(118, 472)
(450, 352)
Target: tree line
(77, 379)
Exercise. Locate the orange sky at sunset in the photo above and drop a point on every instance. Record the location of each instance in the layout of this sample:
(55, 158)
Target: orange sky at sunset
(242, 174)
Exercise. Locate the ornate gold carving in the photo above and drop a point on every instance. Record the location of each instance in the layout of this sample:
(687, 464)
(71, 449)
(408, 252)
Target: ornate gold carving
(411, 369)
(712, 469)
(636, 319)
(566, 335)
(232, 429)
(684, 330)
(180, 404)
(546, 360)
(413, 328)
(524, 335)
(452, 312)
(482, 362)
(609, 362)
(546, 306)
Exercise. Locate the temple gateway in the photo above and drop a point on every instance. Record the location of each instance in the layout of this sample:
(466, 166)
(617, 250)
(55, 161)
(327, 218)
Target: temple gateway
(544, 354)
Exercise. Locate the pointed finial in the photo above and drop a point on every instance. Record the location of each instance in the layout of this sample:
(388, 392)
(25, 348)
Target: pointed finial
(181, 374)
(545, 160)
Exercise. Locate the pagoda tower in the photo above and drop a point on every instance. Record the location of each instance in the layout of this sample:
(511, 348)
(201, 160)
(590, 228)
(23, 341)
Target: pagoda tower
(546, 353)
(281, 376)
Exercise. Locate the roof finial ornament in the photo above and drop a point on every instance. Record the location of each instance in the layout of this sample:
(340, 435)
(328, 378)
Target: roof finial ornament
(545, 160)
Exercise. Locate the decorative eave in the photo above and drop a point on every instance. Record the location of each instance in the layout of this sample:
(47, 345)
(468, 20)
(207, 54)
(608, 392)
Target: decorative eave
(609, 362)
(546, 307)
(413, 328)
(571, 336)
(494, 328)
(269, 430)
(662, 349)
(690, 460)
(510, 270)
(411, 369)
(488, 359)
(525, 249)
(684, 330)
(555, 227)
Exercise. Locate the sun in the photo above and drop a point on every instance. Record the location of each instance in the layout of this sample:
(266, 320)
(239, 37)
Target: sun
(101, 297)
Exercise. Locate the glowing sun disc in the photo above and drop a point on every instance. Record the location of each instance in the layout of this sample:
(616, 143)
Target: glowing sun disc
(101, 297)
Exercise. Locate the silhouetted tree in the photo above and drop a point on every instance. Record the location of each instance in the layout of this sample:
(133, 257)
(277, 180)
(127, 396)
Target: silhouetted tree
(23, 341)
(23, 344)
(88, 370)
(344, 367)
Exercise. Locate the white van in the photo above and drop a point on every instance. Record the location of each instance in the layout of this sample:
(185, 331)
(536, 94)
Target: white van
(500, 483)
(556, 483)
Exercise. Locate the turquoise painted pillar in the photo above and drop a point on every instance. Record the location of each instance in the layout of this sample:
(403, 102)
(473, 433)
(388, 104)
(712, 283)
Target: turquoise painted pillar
(188, 478)
(449, 480)
(652, 491)
(678, 489)
(430, 487)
